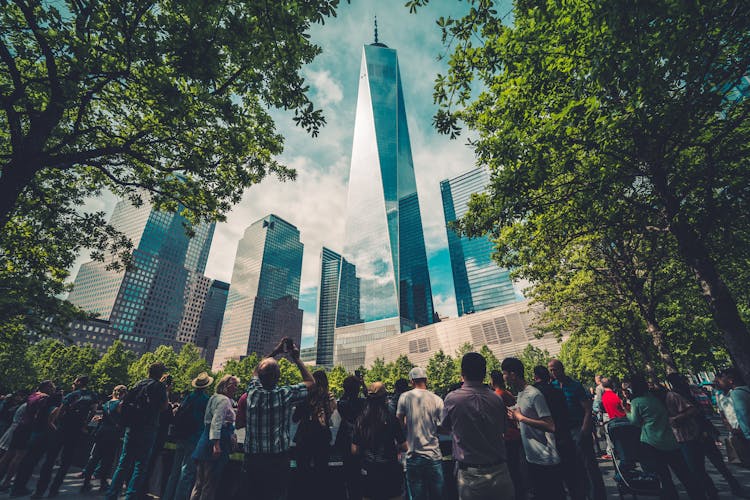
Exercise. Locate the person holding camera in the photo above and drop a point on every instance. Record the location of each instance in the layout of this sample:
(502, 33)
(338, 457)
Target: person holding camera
(268, 411)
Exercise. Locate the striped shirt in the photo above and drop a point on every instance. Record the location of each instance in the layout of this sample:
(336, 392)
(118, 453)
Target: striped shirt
(268, 416)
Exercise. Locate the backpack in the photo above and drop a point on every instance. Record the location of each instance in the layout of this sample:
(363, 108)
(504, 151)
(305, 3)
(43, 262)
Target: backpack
(183, 423)
(34, 406)
(137, 406)
(75, 414)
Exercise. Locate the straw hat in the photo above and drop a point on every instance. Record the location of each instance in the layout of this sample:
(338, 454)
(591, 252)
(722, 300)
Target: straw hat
(202, 381)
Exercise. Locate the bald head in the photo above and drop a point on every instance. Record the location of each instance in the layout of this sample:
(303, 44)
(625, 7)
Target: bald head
(556, 368)
(269, 372)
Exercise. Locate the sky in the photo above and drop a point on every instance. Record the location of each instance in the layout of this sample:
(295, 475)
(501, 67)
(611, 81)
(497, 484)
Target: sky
(316, 201)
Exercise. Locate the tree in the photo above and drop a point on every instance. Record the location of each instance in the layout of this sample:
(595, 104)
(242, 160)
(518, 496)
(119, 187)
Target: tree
(532, 356)
(441, 373)
(53, 360)
(336, 380)
(492, 362)
(243, 368)
(112, 368)
(189, 364)
(16, 370)
(600, 117)
(138, 370)
(378, 372)
(170, 99)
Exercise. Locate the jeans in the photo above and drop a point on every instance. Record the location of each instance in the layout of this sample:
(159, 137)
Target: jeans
(182, 475)
(424, 477)
(268, 475)
(101, 459)
(660, 462)
(136, 450)
(574, 477)
(695, 458)
(610, 446)
(516, 464)
(68, 441)
(481, 483)
(585, 456)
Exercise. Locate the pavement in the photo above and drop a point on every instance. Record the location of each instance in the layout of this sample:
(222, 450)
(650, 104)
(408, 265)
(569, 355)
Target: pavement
(72, 485)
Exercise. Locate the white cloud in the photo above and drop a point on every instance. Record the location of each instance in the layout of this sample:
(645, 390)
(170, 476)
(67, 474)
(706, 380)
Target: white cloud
(445, 305)
(327, 90)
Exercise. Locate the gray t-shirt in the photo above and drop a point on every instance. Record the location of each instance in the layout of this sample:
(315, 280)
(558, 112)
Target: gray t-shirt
(538, 445)
(422, 410)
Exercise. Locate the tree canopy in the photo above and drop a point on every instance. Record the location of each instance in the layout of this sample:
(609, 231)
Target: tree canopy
(616, 144)
(143, 98)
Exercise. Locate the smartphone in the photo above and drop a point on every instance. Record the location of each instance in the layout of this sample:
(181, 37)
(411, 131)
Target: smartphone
(357, 373)
(288, 345)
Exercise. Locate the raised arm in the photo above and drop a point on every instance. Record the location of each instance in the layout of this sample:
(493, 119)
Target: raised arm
(307, 377)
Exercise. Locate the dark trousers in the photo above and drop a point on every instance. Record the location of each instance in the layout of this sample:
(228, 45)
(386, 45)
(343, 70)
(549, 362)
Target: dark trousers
(352, 477)
(101, 459)
(67, 442)
(312, 466)
(546, 481)
(513, 452)
(41, 444)
(136, 449)
(574, 477)
(695, 457)
(660, 462)
(717, 459)
(267, 475)
(584, 449)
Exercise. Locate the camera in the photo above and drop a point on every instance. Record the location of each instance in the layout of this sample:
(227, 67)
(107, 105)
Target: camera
(288, 345)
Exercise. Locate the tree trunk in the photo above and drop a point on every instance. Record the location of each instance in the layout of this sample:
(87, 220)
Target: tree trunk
(720, 302)
(661, 345)
(15, 177)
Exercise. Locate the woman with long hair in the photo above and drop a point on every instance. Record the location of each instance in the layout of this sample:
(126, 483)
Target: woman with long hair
(313, 437)
(378, 438)
(350, 407)
(212, 451)
(659, 450)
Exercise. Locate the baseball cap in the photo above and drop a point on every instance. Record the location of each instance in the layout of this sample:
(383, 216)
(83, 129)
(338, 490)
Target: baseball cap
(417, 372)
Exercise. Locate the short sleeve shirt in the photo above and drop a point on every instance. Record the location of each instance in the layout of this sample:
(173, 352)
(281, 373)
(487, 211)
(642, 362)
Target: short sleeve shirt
(268, 416)
(741, 401)
(574, 394)
(651, 416)
(612, 405)
(687, 429)
(538, 445)
(476, 418)
(422, 410)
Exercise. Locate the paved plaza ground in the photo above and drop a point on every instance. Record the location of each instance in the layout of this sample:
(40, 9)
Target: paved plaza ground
(72, 483)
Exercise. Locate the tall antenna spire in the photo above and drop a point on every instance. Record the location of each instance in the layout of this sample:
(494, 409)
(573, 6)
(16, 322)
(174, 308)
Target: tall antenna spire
(376, 29)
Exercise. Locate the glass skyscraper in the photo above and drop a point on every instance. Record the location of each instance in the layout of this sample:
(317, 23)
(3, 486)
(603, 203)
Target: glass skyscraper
(263, 301)
(384, 236)
(157, 300)
(338, 301)
(479, 283)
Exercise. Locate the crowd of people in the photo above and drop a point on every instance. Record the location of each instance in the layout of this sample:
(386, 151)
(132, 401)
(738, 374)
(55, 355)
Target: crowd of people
(517, 439)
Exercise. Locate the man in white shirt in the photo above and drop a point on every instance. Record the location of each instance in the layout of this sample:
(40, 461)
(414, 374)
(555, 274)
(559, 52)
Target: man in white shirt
(419, 411)
(537, 433)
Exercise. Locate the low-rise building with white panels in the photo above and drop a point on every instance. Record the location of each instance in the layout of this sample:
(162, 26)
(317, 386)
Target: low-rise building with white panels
(505, 330)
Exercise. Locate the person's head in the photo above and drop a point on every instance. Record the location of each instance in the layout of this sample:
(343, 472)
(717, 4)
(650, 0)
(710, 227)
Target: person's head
(167, 380)
(228, 386)
(513, 372)
(81, 382)
(374, 419)
(269, 373)
(119, 392)
(47, 387)
(202, 382)
(541, 375)
(20, 395)
(597, 379)
(607, 383)
(418, 377)
(401, 386)
(497, 379)
(638, 385)
(157, 370)
(321, 381)
(556, 369)
(729, 378)
(351, 387)
(678, 382)
(473, 367)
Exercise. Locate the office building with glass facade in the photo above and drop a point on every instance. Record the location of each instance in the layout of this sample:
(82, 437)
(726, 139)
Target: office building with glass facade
(263, 301)
(384, 239)
(157, 300)
(338, 302)
(479, 283)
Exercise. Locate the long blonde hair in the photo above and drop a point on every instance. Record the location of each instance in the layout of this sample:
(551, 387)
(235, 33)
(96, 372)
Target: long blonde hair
(221, 387)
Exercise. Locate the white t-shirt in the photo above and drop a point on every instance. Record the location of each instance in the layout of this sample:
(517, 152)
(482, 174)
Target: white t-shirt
(538, 445)
(422, 410)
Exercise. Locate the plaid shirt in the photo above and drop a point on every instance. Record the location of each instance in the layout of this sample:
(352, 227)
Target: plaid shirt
(268, 416)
